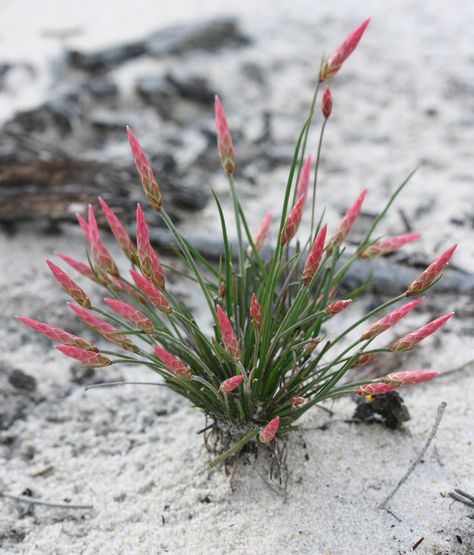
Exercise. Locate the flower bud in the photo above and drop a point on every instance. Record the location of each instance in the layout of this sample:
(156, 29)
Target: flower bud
(224, 138)
(173, 364)
(228, 337)
(332, 66)
(150, 186)
(89, 358)
(426, 278)
(409, 341)
(270, 430)
(326, 104)
(231, 383)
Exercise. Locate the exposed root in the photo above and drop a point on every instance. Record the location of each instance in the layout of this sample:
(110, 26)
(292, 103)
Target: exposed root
(218, 438)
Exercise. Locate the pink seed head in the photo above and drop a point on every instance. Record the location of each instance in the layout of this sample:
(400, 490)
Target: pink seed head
(89, 358)
(292, 221)
(347, 222)
(173, 364)
(131, 314)
(270, 430)
(332, 66)
(231, 383)
(118, 284)
(426, 278)
(255, 312)
(337, 306)
(228, 337)
(100, 255)
(57, 335)
(152, 293)
(297, 401)
(302, 187)
(149, 263)
(388, 244)
(103, 328)
(390, 320)
(260, 234)
(326, 104)
(80, 267)
(70, 286)
(150, 186)
(121, 236)
(314, 258)
(409, 341)
(84, 225)
(409, 377)
(377, 388)
(363, 359)
(224, 138)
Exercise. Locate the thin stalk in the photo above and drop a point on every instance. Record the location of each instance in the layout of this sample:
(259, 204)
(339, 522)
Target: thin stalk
(316, 168)
(234, 449)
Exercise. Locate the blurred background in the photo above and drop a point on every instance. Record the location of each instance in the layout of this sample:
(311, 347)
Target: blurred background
(73, 75)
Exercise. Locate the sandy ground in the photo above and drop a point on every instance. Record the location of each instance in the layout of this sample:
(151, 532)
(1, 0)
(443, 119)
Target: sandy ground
(406, 98)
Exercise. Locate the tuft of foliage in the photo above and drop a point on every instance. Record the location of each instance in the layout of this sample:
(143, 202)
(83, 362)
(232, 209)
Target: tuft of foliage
(267, 361)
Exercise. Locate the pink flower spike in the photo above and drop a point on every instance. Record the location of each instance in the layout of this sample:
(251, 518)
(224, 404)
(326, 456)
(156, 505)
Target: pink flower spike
(131, 314)
(121, 236)
(409, 341)
(231, 383)
(426, 278)
(337, 306)
(270, 430)
(173, 364)
(314, 258)
(297, 401)
(80, 267)
(292, 221)
(84, 225)
(377, 388)
(363, 359)
(390, 320)
(326, 104)
(103, 328)
(224, 138)
(347, 222)
(302, 188)
(260, 234)
(388, 244)
(89, 358)
(150, 186)
(409, 377)
(149, 263)
(100, 255)
(71, 287)
(255, 312)
(228, 337)
(332, 66)
(152, 294)
(57, 335)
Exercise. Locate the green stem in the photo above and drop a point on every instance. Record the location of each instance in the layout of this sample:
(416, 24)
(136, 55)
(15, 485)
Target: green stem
(315, 182)
(234, 449)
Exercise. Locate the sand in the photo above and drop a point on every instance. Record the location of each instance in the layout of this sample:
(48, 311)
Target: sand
(133, 452)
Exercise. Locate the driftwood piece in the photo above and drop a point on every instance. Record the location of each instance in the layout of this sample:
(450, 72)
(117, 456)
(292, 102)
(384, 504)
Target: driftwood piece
(387, 276)
(54, 190)
(209, 35)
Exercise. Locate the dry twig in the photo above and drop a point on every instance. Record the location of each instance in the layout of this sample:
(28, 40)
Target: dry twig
(33, 501)
(439, 416)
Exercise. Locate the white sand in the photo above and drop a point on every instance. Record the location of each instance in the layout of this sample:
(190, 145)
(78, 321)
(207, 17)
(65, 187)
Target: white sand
(144, 473)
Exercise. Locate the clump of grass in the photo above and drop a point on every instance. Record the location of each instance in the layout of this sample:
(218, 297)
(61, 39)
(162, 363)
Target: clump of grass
(267, 361)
